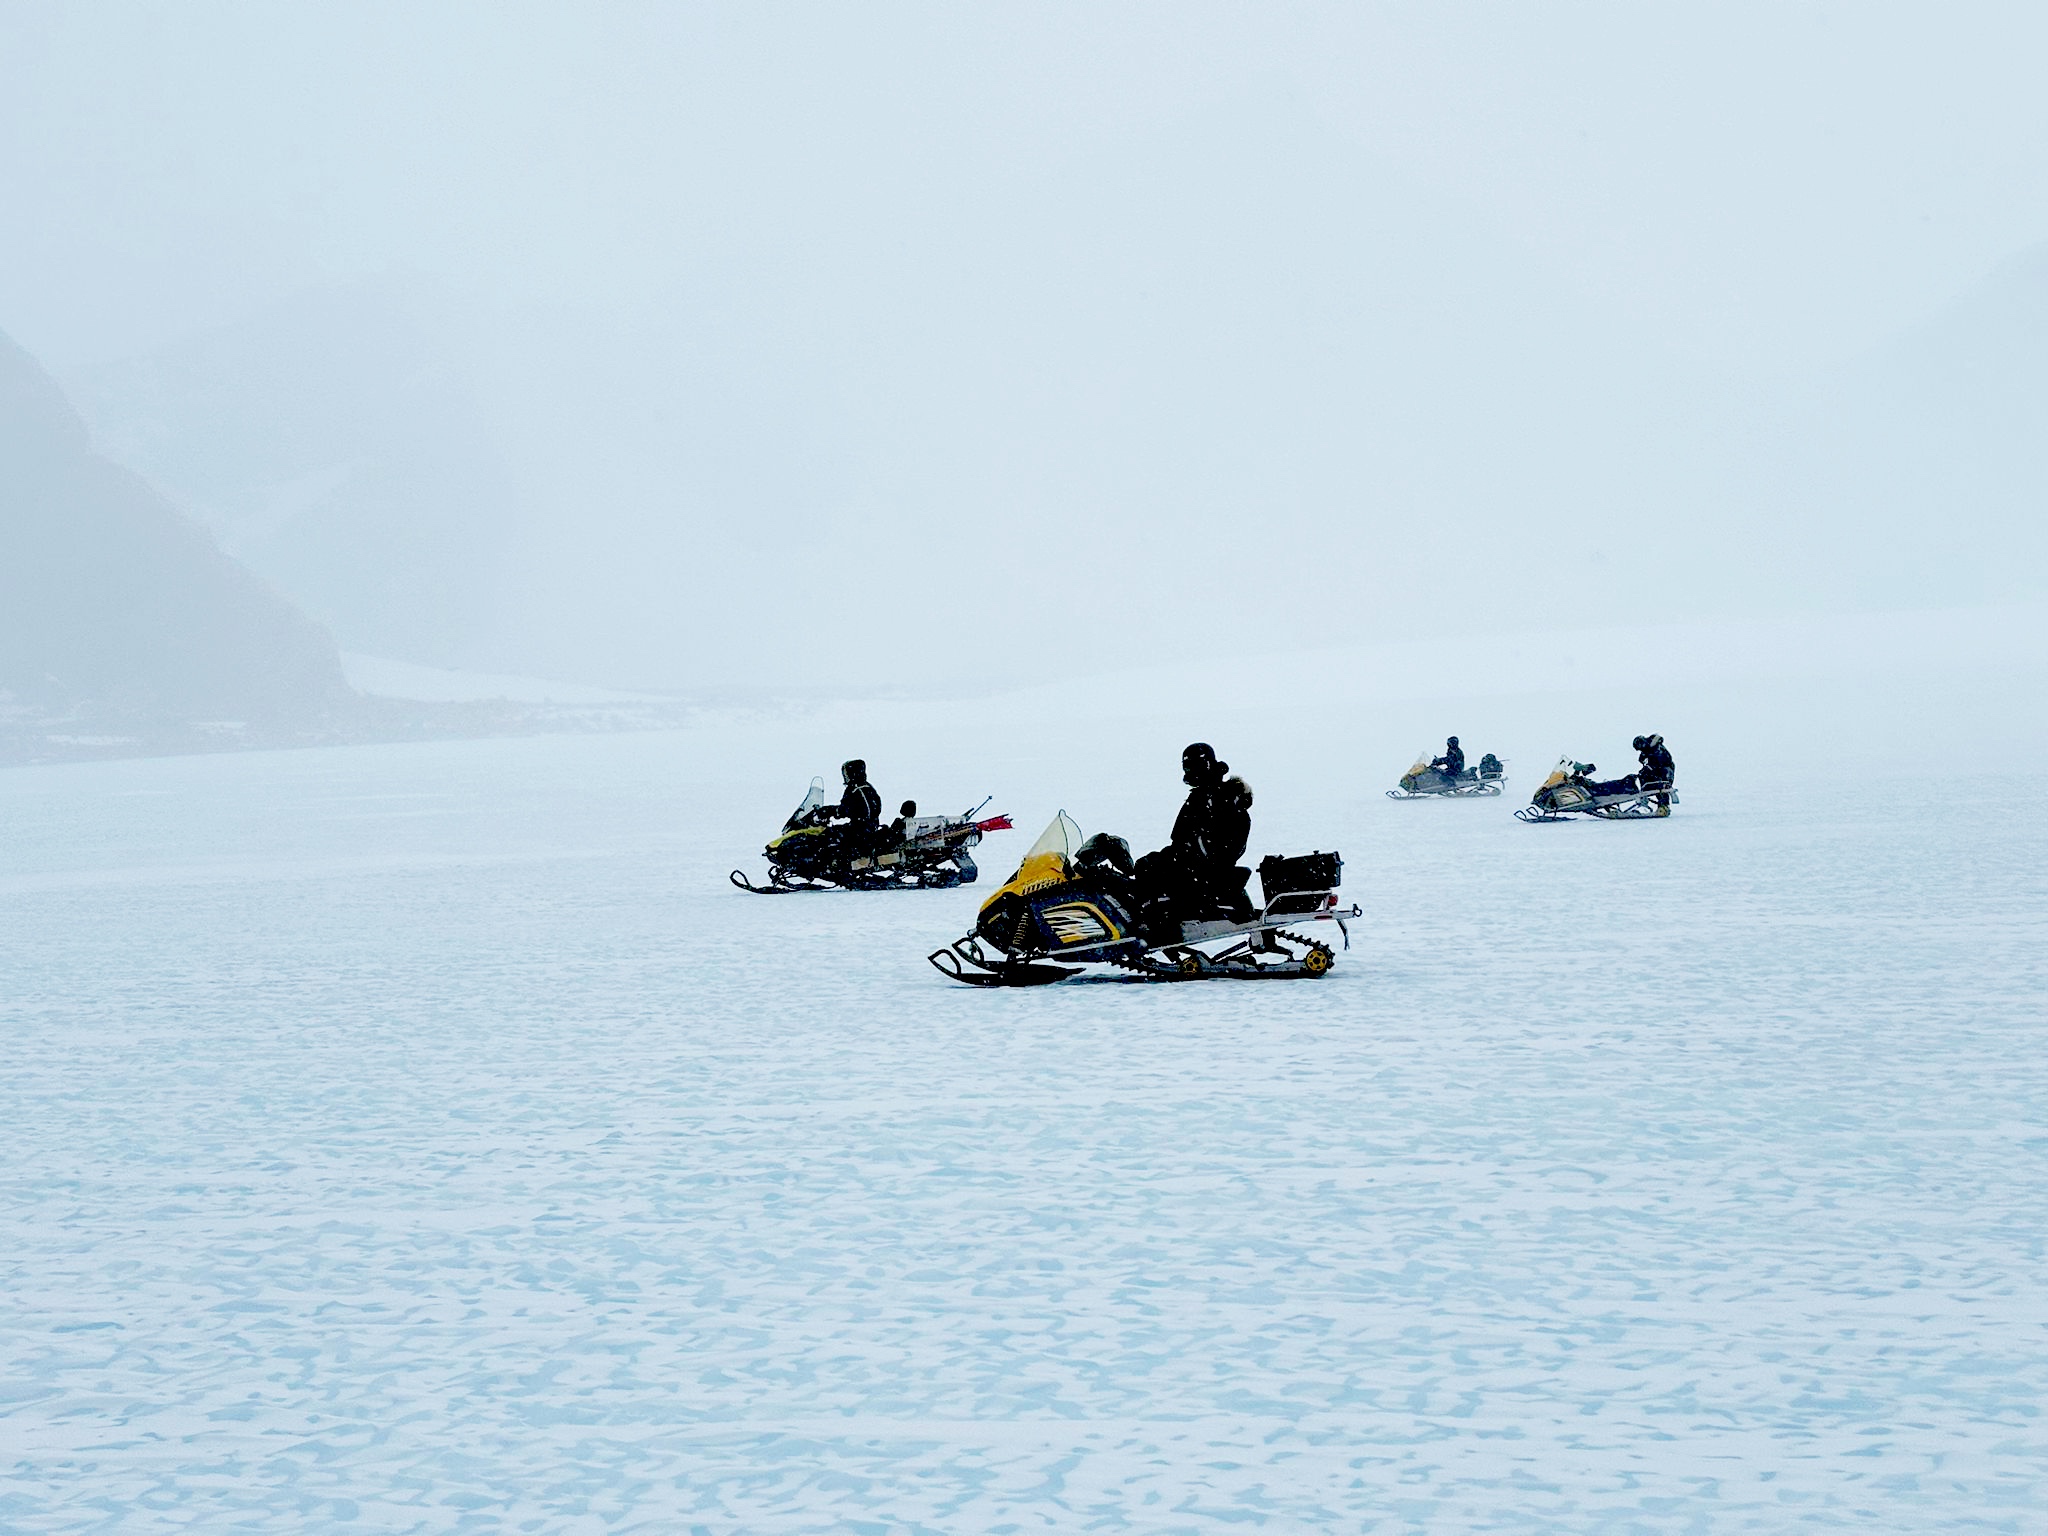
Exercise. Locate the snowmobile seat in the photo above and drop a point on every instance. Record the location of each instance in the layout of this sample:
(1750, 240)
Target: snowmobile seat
(1228, 889)
(1211, 894)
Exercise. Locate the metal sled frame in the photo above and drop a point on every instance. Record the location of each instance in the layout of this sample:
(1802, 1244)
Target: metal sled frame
(1641, 806)
(871, 879)
(1259, 949)
(1462, 792)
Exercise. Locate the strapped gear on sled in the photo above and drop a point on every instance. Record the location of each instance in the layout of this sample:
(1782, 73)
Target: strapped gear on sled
(811, 853)
(1070, 907)
(1571, 790)
(1427, 780)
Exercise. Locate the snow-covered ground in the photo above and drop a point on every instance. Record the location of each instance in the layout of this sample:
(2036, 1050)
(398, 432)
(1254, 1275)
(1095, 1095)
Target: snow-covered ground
(427, 1137)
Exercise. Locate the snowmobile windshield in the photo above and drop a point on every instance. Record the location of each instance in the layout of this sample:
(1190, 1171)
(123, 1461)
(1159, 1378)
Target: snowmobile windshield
(1422, 762)
(1048, 862)
(814, 798)
(1062, 837)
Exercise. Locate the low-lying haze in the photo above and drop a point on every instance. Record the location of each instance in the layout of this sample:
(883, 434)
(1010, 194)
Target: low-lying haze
(907, 349)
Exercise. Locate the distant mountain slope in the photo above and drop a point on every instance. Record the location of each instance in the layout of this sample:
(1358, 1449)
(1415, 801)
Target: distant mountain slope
(1918, 474)
(114, 603)
(1957, 436)
(333, 444)
(1242, 337)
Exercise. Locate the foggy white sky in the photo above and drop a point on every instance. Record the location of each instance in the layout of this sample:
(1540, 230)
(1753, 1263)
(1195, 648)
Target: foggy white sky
(814, 248)
(1780, 179)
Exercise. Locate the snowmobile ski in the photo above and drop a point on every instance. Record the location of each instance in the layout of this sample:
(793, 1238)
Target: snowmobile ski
(776, 887)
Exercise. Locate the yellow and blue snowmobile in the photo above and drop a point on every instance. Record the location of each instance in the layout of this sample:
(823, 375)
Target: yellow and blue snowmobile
(1571, 790)
(813, 853)
(1070, 910)
(1427, 781)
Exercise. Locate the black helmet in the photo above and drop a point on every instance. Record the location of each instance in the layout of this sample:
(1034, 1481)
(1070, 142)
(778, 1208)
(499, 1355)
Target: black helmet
(908, 809)
(1640, 742)
(854, 771)
(1452, 742)
(1198, 764)
(1105, 848)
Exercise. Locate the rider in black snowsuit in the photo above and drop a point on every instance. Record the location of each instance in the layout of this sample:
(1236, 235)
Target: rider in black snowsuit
(1658, 770)
(1452, 763)
(1196, 869)
(1204, 776)
(858, 821)
(1222, 844)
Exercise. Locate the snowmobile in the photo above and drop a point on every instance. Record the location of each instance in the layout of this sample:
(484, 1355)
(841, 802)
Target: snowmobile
(920, 853)
(1426, 781)
(1571, 790)
(1060, 915)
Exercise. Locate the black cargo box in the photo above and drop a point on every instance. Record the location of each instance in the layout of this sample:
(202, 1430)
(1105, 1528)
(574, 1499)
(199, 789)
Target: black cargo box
(1304, 872)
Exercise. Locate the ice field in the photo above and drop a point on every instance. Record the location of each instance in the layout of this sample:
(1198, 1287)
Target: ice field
(427, 1137)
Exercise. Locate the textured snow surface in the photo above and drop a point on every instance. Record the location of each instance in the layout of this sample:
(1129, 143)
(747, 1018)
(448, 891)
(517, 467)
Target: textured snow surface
(427, 1138)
